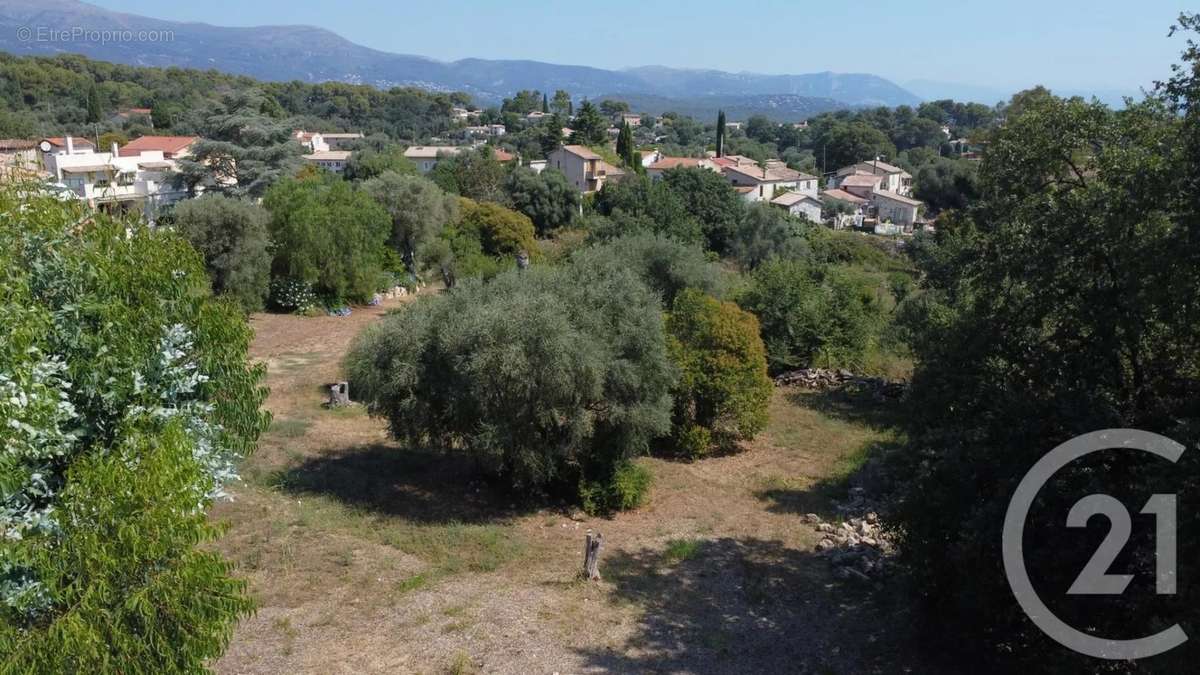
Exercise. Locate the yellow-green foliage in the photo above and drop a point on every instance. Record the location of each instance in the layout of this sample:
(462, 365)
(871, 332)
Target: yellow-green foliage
(723, 391)
(501, 231)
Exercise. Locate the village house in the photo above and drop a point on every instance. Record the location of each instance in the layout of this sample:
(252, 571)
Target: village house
(656, 170)
(19, 156)
(896, 208)
(584, 169)
(767, 182)
(800, 204)
(634, 119)
(320, 141)
(536, 116)
(426, 156)
(330, 160)
(117, 180)
(59, 146)
(537, 165)
(894, 179)
(857, 207)
(860, 185)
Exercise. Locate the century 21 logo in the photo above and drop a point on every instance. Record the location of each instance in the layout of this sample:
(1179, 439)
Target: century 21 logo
(1094, 579)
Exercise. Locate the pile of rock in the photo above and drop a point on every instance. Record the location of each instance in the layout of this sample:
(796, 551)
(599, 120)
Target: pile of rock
(857, 549)
(823, 379)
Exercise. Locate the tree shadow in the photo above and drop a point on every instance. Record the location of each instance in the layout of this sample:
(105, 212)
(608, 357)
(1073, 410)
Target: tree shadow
(749, 606)
(850, 405)
(420, 485)
(871, 480)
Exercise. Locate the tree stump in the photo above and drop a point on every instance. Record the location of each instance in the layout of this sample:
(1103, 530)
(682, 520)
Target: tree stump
(339, 394)
(591, 555)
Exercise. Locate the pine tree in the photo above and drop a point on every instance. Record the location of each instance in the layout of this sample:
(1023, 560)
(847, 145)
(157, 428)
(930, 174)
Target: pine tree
(720, 133)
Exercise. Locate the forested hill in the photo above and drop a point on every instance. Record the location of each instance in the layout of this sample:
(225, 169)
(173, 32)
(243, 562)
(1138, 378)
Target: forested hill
(312, 54)
(48, 95)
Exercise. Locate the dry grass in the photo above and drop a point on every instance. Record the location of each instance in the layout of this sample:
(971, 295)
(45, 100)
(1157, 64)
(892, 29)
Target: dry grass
(368, 557)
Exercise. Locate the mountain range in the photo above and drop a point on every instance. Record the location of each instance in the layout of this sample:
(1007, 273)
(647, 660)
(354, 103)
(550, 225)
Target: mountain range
(314, 54)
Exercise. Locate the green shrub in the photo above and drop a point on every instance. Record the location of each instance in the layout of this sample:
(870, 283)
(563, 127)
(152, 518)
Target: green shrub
(626, 489)
(232, 237)
(328, 234)
(125, 400)
(814, 315)
(550, 377)
(723, 391)
(664, 264)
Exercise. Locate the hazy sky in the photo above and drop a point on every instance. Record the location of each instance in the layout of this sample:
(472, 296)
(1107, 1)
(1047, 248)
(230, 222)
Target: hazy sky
(1102, 44)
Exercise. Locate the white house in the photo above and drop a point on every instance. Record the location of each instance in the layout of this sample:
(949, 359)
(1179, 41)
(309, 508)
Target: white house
(320, 141)
(54, 147)
(800, 204)
(769, 181)
(426, 156)
(894, 179)
(895, 208)
(584, 169)
(113, 179)
(331, 160)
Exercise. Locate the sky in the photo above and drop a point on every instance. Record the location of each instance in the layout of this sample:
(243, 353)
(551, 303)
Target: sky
(1006, 44)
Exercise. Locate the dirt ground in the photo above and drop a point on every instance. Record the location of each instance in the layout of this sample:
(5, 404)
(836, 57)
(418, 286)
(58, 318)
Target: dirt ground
(365, 556)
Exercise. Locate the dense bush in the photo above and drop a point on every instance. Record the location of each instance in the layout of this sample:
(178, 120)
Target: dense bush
(813, 315)
(125, 399)
(547, 198)
(710, 199)
(1066, 303)
(553, 378)
(768, 233)
(500, 231)
(664, 264)
(723, 390)
(232, 237)
(330, 235)
(639, 204)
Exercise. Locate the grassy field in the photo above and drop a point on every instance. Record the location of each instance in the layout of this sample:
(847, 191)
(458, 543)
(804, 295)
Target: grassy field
(366, 556)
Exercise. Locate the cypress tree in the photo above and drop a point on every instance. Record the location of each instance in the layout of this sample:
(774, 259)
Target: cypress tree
(94, 110)
(545, 104)
(720, 133)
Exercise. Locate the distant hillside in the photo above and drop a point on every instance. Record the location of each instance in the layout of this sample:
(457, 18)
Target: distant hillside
(780, 107)
(310, 54)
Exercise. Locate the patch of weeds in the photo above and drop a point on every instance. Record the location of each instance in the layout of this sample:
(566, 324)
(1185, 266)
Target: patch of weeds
(456, 626)
(290, 428)
(344, 412)
(412, 583)
(461, 664)
(679, 550)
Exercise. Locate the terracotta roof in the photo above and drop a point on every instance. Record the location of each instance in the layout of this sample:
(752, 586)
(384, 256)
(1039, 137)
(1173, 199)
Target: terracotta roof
(502, 155)
(792, 198)
(676, 162)
(860, 180)
(842, 195)
(770, 176)
(897, 198)
(873, 167)
(581, 151)
(16, 144)
(167, 144)
(744, 190)
(61, 141)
